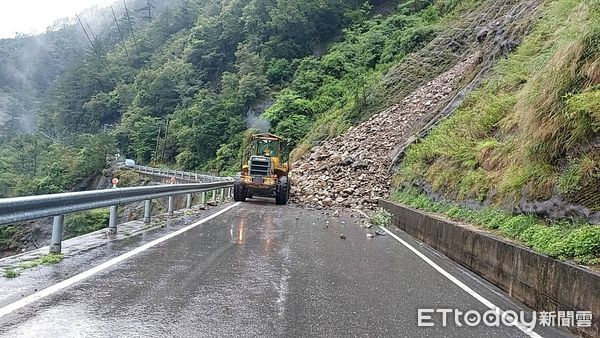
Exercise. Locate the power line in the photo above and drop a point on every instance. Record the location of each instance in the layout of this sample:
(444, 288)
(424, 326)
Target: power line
(131, 29)
(93, 46)
(121, 35)
(91, 33)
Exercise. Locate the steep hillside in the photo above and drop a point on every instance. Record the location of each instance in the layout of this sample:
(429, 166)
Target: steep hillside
(442, 104)
(529, 137)
(354, 169)
(182, 89)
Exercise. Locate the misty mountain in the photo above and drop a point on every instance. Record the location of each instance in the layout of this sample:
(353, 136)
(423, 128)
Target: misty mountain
(30, 65)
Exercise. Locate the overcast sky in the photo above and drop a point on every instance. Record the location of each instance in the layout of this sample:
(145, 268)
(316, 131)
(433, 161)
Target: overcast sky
(34, 16)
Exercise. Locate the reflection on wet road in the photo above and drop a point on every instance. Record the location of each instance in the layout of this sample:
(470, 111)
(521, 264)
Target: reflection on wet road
(259, 269)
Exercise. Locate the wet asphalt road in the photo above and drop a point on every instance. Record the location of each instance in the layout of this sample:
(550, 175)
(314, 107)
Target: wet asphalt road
(256, 270)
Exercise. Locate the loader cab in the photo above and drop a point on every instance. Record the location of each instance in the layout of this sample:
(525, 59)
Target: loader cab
(266, 147)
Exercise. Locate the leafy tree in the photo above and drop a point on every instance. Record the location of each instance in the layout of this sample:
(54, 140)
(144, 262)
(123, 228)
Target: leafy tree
(202, 128)
(143, 137)
(279, 71)
(293, 129)
(102, 109)
(252, 81)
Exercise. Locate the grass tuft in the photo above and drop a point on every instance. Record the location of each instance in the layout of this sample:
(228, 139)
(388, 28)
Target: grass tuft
(11, 273)
(380, 217)
(49, 259)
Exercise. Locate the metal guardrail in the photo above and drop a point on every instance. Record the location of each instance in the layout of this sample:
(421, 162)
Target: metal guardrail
(179, 174)
(20, 209)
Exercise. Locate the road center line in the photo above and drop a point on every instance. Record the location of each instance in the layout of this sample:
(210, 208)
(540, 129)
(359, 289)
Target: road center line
(462, 285)
(86, 274)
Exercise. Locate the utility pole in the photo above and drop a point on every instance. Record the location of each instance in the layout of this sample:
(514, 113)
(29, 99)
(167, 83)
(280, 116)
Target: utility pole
(157, 143)
(162, 157)
(147, 8)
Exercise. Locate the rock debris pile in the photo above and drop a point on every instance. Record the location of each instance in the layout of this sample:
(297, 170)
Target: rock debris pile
(352, 170)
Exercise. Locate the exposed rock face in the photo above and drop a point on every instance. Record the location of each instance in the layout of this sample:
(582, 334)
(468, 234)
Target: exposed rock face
(352, 170)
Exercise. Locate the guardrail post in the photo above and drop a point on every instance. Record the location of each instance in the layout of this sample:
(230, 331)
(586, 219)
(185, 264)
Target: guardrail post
(57, 230)
(170, 205)
(112, 221)
(147, 211)
(222, 194)
(204, 198)
(214, 196)
(188, 201)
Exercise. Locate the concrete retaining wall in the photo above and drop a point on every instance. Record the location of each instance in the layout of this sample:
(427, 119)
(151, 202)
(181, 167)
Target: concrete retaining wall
(540, 282)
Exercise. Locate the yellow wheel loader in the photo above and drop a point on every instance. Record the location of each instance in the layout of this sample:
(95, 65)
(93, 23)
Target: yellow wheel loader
(263, 172)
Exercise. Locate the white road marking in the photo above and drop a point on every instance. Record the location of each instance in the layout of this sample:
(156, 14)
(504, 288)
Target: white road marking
(86, 274)
(361, 212)
(462, 285)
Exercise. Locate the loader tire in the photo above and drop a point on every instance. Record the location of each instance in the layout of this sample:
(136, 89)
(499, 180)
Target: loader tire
(283, 191)
(239, 192)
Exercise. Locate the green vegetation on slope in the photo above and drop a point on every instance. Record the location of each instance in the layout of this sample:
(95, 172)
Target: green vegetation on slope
(532, 126)
(329, 94)
(562, 240)
(200, 68)
(6, 235)
(178, 91)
